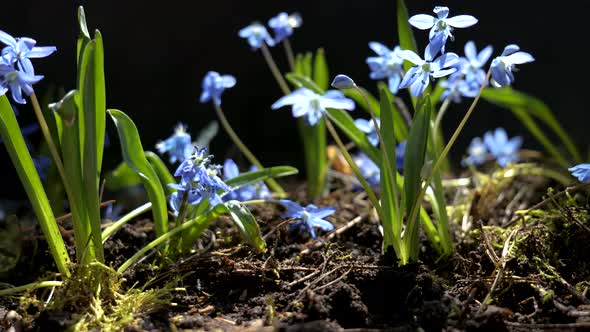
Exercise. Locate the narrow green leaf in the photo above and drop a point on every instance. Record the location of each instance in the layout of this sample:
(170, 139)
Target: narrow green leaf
(307, 67)
(321, 75)
(355, 95)
(248, 178)
(344, 122)
(121, 177)
(401, 127)
(314, 147)
(246, 224)
(22, 161)
(392, 226)
(163, 173)
(100, 99)
(404, 30)
(515, 100)
(134, 156)
(82, 22)
(299, 64)
(301, 81)
(413, 162)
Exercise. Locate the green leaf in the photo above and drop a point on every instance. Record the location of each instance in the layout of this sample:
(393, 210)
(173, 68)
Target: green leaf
(22, 161)
(248, 178)
(392, 225)
(344, 122)
(134, 156)
(82, 22)
(163, 173)
(246, 224)
(121, 177)
(307, 69)
(314, 148)
(404, 30)
(401, 127)
(69, 118)
(321, 75)
(520, 102)
(301, 81)
(413, 162)
(355, 95)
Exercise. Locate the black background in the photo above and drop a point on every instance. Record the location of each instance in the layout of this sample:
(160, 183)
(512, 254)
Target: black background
(157, 53)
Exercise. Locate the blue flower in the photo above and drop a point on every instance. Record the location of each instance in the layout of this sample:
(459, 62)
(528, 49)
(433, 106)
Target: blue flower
(368, 127)
(369, 170)
(17, 81)
(470, 76)
(503, 66)
(309, 217)
(312, 105)
(250, 192)
(21, 50)
(284, 24)
(178, 146)
(387, 65)
(504, 150)
(441, 26)
(199, 180)
(478, 152)
(214, 85)
(343, 82)
(581, 172)
(418, 77)
(257, 35)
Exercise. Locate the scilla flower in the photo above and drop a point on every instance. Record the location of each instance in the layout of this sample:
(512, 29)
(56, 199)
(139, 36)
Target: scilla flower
(178, 146)
(284, 24)
(17, 81)
(369, 170)
(312, 105)
(254, 191)
(308, 217)
(441, 26)
(503, 149)
(257, 35)
(21, 50)
(503, 66)
(477, 153)
(214, 85)
(581, 172)
(368, 127)
(387, 65)
(418, 77)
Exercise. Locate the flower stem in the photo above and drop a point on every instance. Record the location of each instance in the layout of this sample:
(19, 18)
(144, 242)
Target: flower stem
(289, 52)
(35, 285)
(275, 69)
(247, 153)
(412, 220)
(355, 169)
(440, 114)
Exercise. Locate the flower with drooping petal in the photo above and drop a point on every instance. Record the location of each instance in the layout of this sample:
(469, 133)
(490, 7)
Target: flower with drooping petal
(503, 149)
(308, 217)
(307, 103)
(284, 24)
(387, 65)
(343, 82)
(503, 66)
(257, 35)
(369, 170)
(254, 191)
(368, 127)
(441, 26)
(581, 172)
(18, 81)
(478, 152)
(214, 85)
(418, 77)
(178, 146)
(21, 50)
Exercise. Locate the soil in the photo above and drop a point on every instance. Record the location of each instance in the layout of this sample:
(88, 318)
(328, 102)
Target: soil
(508, 273)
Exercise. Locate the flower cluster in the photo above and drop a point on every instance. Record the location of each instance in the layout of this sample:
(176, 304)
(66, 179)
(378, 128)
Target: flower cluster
(16, 69)
(254, 191)
(199, 181)
(283, 26)
(308, 217)
(495, 144)
(178, 146)
(312, 105)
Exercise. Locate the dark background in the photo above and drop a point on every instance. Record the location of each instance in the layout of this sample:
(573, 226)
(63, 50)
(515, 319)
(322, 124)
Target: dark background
(158, 52)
